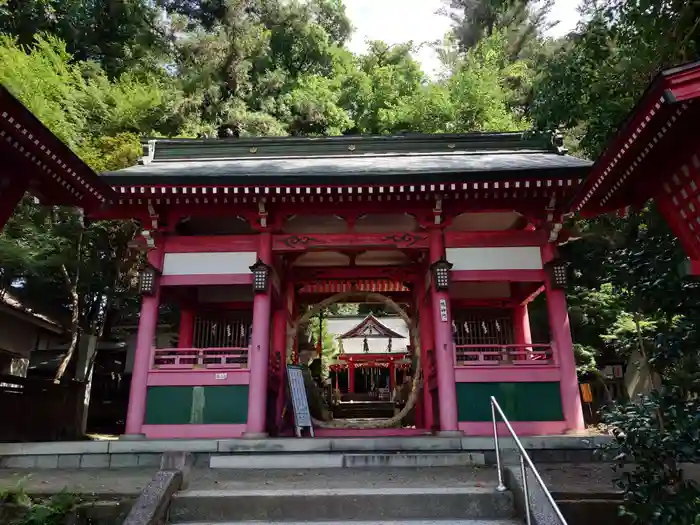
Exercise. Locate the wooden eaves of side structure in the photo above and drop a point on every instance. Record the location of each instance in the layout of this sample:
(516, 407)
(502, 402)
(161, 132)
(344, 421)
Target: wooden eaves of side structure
(655, 155)
(36, 161)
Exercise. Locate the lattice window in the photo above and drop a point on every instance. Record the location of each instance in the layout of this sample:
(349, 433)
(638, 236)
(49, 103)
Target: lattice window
(229, 330)
(482, 328)
(682, 192)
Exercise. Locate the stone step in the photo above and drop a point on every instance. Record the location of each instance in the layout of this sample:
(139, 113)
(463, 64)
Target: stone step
(404, 522)
(342, 505)
(340, 460)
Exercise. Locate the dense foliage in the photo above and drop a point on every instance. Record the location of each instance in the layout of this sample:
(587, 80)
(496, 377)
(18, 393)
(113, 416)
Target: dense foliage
(101, 74)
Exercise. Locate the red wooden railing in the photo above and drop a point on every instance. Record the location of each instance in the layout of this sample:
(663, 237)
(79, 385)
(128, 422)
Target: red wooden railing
(198, 358)
(512, 354)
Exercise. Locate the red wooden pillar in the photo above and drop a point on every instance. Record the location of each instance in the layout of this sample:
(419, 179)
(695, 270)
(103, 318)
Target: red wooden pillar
(259, 352)
(351, 377)
(279, 341)
(186, 336)
(426, 344)
(392, 375)
(148, 323)
(521, 326)
(444, 345)
(564, 348)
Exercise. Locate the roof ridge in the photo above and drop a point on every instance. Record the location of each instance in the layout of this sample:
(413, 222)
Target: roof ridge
(170, 150)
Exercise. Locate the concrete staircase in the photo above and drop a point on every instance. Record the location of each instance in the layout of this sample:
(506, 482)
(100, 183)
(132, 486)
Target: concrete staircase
(464, 495)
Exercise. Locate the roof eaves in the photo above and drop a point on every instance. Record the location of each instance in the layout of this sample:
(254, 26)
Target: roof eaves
(11, 303)
(29, 132)
(668, 87)
(371, 320)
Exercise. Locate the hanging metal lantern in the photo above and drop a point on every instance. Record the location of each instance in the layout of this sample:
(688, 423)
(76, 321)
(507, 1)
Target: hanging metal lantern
(557, 271)
(147, 280)
(261, 276)
(441, 274)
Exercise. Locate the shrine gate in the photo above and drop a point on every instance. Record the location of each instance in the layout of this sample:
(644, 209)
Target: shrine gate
(462, 229)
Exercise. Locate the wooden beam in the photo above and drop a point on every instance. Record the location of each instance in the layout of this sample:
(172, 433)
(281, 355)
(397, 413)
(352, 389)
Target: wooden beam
(349, 241)
(513, 276)
(385, 273)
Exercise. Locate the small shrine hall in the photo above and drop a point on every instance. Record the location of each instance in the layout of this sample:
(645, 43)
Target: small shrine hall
(454, 234)
(373, 356)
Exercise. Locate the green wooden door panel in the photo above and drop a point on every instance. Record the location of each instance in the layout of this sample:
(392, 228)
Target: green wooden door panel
(226, 404)
(519, 401)
(168, 405)
(203, 405)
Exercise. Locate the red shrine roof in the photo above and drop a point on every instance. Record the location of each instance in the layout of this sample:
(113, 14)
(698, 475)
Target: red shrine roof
(662, 124)
(371, 328)
(30, 151)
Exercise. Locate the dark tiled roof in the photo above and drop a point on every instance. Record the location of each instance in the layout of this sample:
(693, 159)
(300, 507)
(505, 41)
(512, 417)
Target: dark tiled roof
(336, 159)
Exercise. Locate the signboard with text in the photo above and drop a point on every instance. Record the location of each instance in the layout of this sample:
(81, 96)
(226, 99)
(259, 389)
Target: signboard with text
(300, 403)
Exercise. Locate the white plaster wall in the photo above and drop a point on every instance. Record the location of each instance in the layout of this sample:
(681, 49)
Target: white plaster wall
(507, 258)
(220, 263)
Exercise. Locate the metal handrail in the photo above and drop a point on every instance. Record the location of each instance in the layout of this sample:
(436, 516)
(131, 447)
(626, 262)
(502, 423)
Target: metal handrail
(524, 460)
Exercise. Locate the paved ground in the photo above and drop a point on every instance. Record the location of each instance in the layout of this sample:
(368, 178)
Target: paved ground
(411, 522)
(85, 481)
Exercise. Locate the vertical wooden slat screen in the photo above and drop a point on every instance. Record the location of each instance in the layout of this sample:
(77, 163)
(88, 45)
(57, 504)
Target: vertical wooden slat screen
(225, 330)
(482, 327)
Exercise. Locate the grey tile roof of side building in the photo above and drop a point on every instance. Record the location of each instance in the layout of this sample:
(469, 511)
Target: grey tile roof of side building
(447, 158)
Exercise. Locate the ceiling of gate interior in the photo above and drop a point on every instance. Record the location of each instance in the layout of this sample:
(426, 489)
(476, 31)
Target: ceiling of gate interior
(367, 258)
(480, 290)
(381, 223)
(488, 221)
(370, 223)
(213, 226)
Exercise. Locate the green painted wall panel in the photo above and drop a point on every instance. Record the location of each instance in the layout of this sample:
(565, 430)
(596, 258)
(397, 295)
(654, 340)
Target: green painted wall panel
(226, 404)
(519, 401)
(168, 405)
(207, 405)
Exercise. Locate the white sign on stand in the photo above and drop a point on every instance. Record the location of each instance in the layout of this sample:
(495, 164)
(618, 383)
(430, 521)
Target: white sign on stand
(300, 403)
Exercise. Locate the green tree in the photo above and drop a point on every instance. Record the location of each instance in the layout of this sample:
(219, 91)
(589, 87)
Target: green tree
(73, 270)
(120, 36)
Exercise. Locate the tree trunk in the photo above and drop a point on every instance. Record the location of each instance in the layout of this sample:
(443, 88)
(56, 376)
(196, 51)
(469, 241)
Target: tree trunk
(72, 285)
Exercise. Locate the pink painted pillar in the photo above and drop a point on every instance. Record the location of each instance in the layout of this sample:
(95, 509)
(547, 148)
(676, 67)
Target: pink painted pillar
(259, 353)
(186, 335)
(279, 330)
(145, 339)
(444, 345)
(564, 348)
(521, 326)
(351, 377)
(426, 343)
